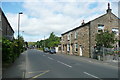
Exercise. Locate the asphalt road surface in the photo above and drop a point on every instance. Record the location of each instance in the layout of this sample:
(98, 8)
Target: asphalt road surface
(37, 64)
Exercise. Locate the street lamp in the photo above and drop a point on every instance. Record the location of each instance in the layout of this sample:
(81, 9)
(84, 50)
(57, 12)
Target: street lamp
(19, 22)
(22, 33)
(18, 30)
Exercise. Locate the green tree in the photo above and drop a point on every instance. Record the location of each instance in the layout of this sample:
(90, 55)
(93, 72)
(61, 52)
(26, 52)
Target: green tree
(105, 39)
(21, 44)
(52, 41)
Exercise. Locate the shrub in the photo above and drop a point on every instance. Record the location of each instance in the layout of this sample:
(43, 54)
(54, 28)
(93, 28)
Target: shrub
(11, 50)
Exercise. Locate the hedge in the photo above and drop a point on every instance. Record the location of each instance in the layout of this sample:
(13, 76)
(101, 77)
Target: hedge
(11, 50)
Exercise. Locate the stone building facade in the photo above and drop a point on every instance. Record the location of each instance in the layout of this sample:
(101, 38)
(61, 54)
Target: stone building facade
(5, 27)
(81, 40)
(0, 25)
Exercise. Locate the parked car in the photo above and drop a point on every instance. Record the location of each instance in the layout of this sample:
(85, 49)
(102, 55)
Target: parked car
(46, 50)
(52, 51)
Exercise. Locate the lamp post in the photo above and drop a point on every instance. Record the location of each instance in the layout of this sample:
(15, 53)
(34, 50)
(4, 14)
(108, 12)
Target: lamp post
(18, 30)
(19, 23)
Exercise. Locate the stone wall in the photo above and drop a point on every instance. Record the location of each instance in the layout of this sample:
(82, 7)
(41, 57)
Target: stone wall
(82, 41)
(108, 20)
(63, 44)
(87, 33)
(7, 30)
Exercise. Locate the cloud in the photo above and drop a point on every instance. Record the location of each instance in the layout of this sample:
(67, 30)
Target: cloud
(40, 19)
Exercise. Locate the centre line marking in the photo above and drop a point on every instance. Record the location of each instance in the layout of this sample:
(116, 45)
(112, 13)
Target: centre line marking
(50, 58)
(92, 75)
(64, 64)
(90, 61)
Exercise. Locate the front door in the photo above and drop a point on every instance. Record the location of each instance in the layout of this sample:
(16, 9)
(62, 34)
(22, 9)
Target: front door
(81, 51)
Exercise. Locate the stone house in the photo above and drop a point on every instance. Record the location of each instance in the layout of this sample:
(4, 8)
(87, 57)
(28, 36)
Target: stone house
(5, 27)
(81, 40)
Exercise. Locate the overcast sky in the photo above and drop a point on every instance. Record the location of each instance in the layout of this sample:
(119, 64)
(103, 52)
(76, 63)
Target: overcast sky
(41, 17)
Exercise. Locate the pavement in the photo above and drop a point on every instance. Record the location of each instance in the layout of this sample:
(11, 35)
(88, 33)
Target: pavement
(113, 63)
(0, 62)
(37, 64)
(16, 69)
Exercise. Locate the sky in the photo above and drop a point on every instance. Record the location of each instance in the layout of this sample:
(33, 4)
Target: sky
(41, 17)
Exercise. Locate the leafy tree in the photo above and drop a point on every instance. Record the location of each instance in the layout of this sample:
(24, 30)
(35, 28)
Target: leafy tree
(105, 39)
(52, 41)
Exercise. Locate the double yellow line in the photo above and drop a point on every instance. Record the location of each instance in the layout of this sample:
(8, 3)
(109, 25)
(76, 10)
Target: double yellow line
(41, 74)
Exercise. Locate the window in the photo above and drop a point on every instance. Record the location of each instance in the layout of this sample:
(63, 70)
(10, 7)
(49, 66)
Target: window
(100, 28)
(68, 36)
(76, 47)
(59, 48)
(115, 31)
(76, 35)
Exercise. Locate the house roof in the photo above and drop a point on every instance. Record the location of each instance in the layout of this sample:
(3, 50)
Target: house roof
(76, 28)
(88, 23)
(108, 11)
(6, 19)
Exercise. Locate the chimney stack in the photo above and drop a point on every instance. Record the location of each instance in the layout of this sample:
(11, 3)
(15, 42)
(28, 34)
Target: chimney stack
(109, 10)
(83, 22)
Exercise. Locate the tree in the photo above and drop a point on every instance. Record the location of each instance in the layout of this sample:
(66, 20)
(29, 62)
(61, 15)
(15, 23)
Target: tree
(52, 41)
(105, 39)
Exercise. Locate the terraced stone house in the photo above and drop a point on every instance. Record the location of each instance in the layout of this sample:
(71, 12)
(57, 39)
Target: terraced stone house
(80, 40)
(5, 27)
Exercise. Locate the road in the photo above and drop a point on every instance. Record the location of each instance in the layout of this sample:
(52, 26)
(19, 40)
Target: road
(37, 64)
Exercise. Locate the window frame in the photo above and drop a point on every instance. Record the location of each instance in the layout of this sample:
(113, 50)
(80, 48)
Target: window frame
(115, 32)
(100, 28)
(76, 47)
(76, 34)
(68, 37)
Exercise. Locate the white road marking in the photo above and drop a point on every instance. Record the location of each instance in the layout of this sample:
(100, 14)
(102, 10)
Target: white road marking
(90, 61)
(50, 58)
(92, 75)
(64, 64)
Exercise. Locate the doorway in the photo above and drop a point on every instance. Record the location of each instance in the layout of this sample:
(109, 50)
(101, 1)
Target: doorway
(81, 54)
